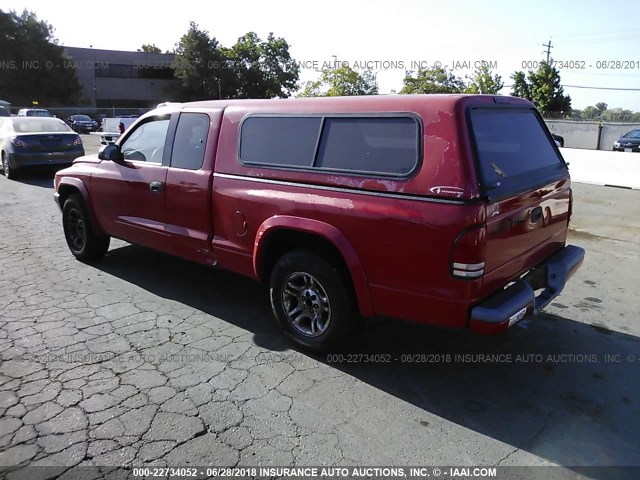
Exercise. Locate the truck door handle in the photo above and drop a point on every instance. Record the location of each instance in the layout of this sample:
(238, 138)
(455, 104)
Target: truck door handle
(536, 213)
(156, 186)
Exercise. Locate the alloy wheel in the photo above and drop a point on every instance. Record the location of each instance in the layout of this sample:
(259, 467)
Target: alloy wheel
(306, 304)
(77, 229)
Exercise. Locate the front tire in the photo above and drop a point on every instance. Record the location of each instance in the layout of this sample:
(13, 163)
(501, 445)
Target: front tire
(84, 244)
(312, 300)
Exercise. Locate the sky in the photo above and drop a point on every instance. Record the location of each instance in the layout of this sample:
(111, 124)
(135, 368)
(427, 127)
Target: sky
(586, 35)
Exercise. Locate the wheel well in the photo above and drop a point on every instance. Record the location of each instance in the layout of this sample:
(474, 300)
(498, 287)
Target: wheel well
(285, 240)
(65, 191)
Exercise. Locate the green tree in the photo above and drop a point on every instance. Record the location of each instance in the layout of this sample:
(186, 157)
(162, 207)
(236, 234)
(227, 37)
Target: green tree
(576, 114)
(482, 81)
(432, 80)
(520, 87)
(35, 67)
(591, 112)
(150, 48)
(263, 69)
(342, 81)
(252, 68)
(200, 67)
(601, 111)
(617, 115)
(547, 93)
(543, 88)
(601, 107)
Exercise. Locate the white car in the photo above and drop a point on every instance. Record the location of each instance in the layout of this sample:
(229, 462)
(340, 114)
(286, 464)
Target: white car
(34, 112)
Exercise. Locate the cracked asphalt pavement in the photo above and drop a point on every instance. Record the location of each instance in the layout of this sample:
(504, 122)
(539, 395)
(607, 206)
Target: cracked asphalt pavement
(147, 359)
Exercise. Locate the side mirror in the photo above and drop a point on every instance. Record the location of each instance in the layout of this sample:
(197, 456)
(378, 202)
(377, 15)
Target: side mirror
(110, 152)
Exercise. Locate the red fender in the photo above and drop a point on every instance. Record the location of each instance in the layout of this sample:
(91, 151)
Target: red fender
(330, 233)
(79, 185)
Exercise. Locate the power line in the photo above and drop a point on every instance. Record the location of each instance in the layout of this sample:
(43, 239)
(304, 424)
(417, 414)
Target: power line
(620, 38)
(593, 88)
(612, 36)
(590, 34)
(604, 88)
(580, 72)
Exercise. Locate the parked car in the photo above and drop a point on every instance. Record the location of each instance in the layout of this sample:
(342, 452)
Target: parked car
(82, 123)
(443, 209)
(629, 142)
(558, 139)
(34, 112)
(4, 112)
(36, 142)
(112, 128)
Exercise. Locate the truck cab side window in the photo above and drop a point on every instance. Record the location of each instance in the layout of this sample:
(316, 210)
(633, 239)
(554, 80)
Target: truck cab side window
(146, 142)
(190, 141)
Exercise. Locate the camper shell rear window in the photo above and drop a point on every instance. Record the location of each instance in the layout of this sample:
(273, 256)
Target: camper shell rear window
(514, 150)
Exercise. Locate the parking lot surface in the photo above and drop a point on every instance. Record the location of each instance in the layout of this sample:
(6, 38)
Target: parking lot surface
(144, 358)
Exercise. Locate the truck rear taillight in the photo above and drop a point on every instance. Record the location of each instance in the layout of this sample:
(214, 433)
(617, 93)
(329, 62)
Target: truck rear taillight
(468, 270)
(468, 253)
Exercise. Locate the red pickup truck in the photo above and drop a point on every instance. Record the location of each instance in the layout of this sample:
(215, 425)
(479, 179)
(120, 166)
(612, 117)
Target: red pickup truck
(442, 209)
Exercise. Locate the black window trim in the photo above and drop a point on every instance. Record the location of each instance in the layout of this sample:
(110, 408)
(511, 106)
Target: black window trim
(174, 131)
(482, 184)
(316, 149)
(168, 143)
(346, 172)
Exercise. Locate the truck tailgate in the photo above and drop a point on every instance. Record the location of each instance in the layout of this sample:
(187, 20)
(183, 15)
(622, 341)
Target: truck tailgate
(528, 189)
(524, 231)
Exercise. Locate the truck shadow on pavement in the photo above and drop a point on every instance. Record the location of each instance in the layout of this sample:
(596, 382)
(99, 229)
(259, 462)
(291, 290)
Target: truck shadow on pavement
(553, 387)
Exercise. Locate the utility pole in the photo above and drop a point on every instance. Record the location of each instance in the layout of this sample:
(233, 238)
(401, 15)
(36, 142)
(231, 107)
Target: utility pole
(94, 86)
(548, 51)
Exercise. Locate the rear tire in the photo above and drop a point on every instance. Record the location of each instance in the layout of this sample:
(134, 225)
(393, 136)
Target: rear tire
(6, 167)
(84, 244)
(312, 301)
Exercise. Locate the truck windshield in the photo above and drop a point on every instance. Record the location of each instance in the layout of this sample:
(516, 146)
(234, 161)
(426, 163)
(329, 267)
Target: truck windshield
(513, 148)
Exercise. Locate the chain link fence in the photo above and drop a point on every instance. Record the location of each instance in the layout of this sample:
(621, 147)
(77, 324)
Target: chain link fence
(95, 113)
(605, 117)
(112, 112)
